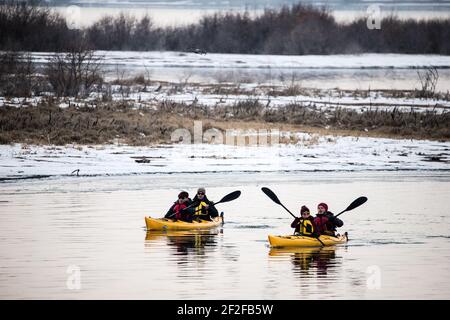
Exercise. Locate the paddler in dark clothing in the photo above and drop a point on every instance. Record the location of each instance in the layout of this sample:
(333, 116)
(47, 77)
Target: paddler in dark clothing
(326, 221)
(305, 225)
(178, 210)
(203, 208)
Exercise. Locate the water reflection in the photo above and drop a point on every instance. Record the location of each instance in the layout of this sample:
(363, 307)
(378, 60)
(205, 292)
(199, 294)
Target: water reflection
(310, 261)
(184, 242)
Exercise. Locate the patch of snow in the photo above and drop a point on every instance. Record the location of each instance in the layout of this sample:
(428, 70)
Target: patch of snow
(311, 153)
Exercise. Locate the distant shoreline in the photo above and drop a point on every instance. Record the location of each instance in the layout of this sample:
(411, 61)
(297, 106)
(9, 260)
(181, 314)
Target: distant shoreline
(298, 29)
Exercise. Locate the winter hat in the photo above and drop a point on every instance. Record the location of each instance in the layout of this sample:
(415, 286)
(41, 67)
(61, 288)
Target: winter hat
(183, 194)
(304, 209)
(201, 190)
(323, 205)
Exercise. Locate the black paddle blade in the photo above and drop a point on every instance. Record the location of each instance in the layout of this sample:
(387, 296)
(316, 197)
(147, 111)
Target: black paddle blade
(230, 197)
(275, 199)
(356, 203)
(271, 195)
(353, 205)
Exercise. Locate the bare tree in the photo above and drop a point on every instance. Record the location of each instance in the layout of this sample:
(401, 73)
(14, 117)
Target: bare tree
(75, 72)
(142, 35)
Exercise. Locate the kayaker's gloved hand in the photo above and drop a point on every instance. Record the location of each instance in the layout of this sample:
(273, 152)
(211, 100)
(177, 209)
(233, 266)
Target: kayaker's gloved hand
(337, 222)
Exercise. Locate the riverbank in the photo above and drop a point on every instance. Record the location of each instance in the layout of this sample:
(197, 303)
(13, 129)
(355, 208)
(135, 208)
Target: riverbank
(311, 153)
(141, 116)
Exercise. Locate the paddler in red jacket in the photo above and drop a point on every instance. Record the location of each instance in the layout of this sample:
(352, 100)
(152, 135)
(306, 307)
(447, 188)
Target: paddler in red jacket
(326, 221)
(321, 219)
(177, 210)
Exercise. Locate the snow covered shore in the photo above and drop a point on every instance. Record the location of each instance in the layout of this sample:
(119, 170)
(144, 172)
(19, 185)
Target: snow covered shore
(273, 97)
(311, 153)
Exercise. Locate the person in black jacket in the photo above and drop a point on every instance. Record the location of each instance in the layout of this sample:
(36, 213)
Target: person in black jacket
(305, 225)
(203, 208)
(332, 222)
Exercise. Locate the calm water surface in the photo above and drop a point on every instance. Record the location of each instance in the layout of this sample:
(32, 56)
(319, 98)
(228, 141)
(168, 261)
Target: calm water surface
(97, 225)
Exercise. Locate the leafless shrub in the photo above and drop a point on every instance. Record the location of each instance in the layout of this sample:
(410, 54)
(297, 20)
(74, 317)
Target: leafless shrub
(291, 83)
(185, 76)
(75, 72)
(48, 123)
(428, 81)
(245, 109)
(146, 78)
(17, 77)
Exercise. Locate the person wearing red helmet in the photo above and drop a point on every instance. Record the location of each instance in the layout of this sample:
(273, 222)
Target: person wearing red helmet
(326, 221)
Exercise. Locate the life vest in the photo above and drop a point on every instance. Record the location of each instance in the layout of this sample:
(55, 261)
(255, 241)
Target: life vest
(178, 207)
(321, 222)
(306, 227)
(199, 209)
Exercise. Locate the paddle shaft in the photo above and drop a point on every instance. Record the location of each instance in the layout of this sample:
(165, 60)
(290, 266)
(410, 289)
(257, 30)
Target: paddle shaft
(340, 213)
(312, 236)
(323, 245)
(288, 210)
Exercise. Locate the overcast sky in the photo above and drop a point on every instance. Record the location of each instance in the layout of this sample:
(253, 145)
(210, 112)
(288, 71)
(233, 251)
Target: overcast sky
(436, 4)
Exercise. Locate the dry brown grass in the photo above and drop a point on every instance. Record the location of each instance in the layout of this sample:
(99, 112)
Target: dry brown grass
(50, 124)
(102, 122)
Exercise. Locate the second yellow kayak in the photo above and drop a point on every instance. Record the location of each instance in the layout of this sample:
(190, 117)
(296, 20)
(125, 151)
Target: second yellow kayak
(302, 241)
(162, 224)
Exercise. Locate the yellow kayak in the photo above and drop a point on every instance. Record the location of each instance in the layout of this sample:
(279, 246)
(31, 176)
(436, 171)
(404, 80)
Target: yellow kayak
(161, 224)
(303, 241)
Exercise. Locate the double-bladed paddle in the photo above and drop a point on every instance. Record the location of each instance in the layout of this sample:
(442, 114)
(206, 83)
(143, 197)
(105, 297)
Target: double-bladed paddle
(275, 199)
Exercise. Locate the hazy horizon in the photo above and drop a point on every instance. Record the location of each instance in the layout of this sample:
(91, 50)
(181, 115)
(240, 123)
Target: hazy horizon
(259, 4)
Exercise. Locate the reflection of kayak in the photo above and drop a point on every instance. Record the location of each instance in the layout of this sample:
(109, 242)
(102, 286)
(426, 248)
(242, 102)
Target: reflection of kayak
(288, 251)
(315, 258)
(169, 224)
(302, 241)
(183, 241)
(155, 235)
